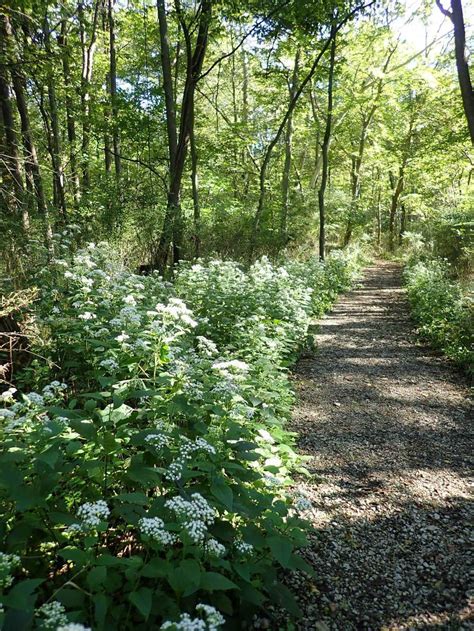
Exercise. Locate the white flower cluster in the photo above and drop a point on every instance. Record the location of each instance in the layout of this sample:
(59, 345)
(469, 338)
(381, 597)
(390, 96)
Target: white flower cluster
(194, 514)
(243, 547)
(130, 316)
(154, 527)
(8, 562)
(87, 315)
(123, 337)
(35, 399)
(73, 626)
(53, 614)
(232, 369)
(176, 311)
(206, 346)
(158, 440)
(188, 447)
(109, 364)
(90, 514)
(7, 395)
(214, 548)
(212, 620)
(53, 389)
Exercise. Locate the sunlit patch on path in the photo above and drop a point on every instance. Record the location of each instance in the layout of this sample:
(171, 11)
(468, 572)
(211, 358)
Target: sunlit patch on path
(387, 425)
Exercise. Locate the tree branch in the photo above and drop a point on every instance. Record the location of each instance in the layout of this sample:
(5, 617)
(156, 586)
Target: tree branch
(241, 42)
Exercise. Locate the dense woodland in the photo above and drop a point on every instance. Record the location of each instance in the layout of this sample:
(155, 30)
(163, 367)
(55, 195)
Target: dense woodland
(184, 185)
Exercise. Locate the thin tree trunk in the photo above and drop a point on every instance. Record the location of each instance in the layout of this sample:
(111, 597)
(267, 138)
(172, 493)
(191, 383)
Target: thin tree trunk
(113, 89)
(403, 222)
(285, 184)
(397, 191)
(70, 118)
(325, 152)
(88, 50)
(195, 190)
(58, 170)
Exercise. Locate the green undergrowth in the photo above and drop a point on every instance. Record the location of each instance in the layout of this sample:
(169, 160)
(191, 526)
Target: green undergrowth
(145, 466)
(443, 310)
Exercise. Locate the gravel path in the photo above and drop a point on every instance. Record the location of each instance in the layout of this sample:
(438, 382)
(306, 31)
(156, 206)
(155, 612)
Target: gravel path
(386, 423)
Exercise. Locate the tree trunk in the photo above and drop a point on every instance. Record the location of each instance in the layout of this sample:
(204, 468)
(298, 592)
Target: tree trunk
(56, 156)
(13, 171)
(325, 152)
(397, 191)
(403, 221)
(195, 190)
(70, 118)
(32, 167)
(88, 50)
(173, 228)
(457, 18)
(285, 184)
(113, 89)
(356, 173)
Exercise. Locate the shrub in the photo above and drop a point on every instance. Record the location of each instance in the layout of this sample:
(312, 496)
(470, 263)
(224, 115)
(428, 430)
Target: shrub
(144, 465)
(444, 313)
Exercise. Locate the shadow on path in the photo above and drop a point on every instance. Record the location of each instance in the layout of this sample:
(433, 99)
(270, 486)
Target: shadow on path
(387, 424)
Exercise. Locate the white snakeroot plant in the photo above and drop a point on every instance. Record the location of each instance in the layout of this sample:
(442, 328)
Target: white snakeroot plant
(210, 620)
(214, 548)
(90, 514)
(52, 615)
(243, 547)
(8, 563)
(195, 515)
(154, 527)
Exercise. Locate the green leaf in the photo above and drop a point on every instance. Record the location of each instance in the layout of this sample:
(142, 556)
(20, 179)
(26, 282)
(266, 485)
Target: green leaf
(222, 491)
(142, 599)
(21, 596)
(212, 581)
(96, 578)
(186, 578)
(281, 549)
(101, 604)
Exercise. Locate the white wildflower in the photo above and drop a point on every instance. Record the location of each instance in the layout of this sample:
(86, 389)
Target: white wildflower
(35, 398)
(154, 527)
(87, 315)
(214, 548)
(7, 395)
(123, 337)
(194, 514)
(54, 615)
(8, 562)
(73, 626)
(92, 513)
(243, 547)
(109, 364)
(158, 440)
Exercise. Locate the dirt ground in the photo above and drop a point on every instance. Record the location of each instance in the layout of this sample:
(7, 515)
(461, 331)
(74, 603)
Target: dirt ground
(387, 424)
